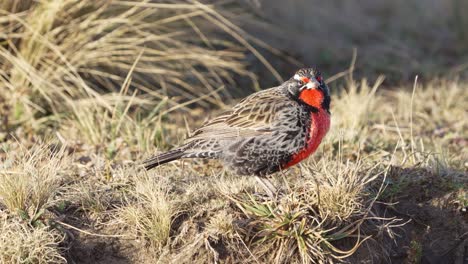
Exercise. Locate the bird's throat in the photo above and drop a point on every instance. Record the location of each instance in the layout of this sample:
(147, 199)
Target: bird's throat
(312, 97)
(320, 123)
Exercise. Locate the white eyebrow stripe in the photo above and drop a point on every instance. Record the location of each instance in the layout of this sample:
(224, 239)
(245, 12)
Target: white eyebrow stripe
(297, 77)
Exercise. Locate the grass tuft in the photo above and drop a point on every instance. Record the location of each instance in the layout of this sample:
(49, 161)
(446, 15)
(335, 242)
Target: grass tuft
(149, 212)
(354, 107)
(309, 222)
(30, 179)
(20, 243)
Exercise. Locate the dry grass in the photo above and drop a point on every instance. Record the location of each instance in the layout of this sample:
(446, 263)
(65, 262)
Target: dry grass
(187, 212)
(61, 56)
(113, 81)
(30, 180)
(305, 225)
(360, 97)
(20, 243)
(149, 212)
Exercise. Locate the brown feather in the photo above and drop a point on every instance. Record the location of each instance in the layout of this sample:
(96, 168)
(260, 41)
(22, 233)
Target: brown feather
(251, 117)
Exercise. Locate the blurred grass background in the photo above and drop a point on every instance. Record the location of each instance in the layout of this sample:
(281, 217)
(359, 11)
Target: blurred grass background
(399, 38)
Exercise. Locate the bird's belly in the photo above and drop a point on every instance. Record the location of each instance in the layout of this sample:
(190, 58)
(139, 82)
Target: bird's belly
(317, 131)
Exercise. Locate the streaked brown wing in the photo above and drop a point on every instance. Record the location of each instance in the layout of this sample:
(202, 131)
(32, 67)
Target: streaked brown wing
(252, 116)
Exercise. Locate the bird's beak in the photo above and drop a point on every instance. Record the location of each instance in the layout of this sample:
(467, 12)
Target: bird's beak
(310, 83)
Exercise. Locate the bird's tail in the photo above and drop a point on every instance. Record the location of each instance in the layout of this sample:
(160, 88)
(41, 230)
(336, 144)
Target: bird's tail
(163, 158)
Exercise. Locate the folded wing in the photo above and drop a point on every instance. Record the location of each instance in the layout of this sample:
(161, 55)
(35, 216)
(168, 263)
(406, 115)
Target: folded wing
(253, 116)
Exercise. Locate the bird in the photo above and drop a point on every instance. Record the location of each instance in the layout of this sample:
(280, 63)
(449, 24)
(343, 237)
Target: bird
(266, 132)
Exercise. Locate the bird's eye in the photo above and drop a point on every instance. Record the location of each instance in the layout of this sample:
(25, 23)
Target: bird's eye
(319, 78)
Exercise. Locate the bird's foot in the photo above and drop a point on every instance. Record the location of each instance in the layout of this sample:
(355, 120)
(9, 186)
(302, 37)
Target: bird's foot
(272, 192)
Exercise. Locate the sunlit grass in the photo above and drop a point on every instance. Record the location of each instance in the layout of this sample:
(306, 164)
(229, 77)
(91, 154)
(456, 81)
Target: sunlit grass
(62, 56)
(149, 212)
(30, 180)
(308, 221)
(113, 81)
(20, 243)
(197, 211)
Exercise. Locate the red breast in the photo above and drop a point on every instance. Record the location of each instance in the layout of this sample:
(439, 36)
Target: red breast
(312, 97)
(318, 129)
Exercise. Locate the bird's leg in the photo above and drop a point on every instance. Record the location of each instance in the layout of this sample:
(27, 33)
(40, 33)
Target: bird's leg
(269, 188)
(286, 183)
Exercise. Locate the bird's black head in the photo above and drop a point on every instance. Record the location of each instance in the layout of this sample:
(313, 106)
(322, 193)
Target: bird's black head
(308, 86)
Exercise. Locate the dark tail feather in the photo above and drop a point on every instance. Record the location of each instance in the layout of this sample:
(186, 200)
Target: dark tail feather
(163, 158)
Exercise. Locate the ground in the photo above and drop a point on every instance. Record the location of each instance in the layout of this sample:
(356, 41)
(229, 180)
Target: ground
(387, 184)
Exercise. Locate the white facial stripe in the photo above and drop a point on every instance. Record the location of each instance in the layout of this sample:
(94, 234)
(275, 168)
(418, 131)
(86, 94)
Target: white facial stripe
(312, 84)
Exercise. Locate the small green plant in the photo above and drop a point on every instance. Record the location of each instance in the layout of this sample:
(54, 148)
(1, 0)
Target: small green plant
(462, 198)
(415, 252)
(394, 189)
